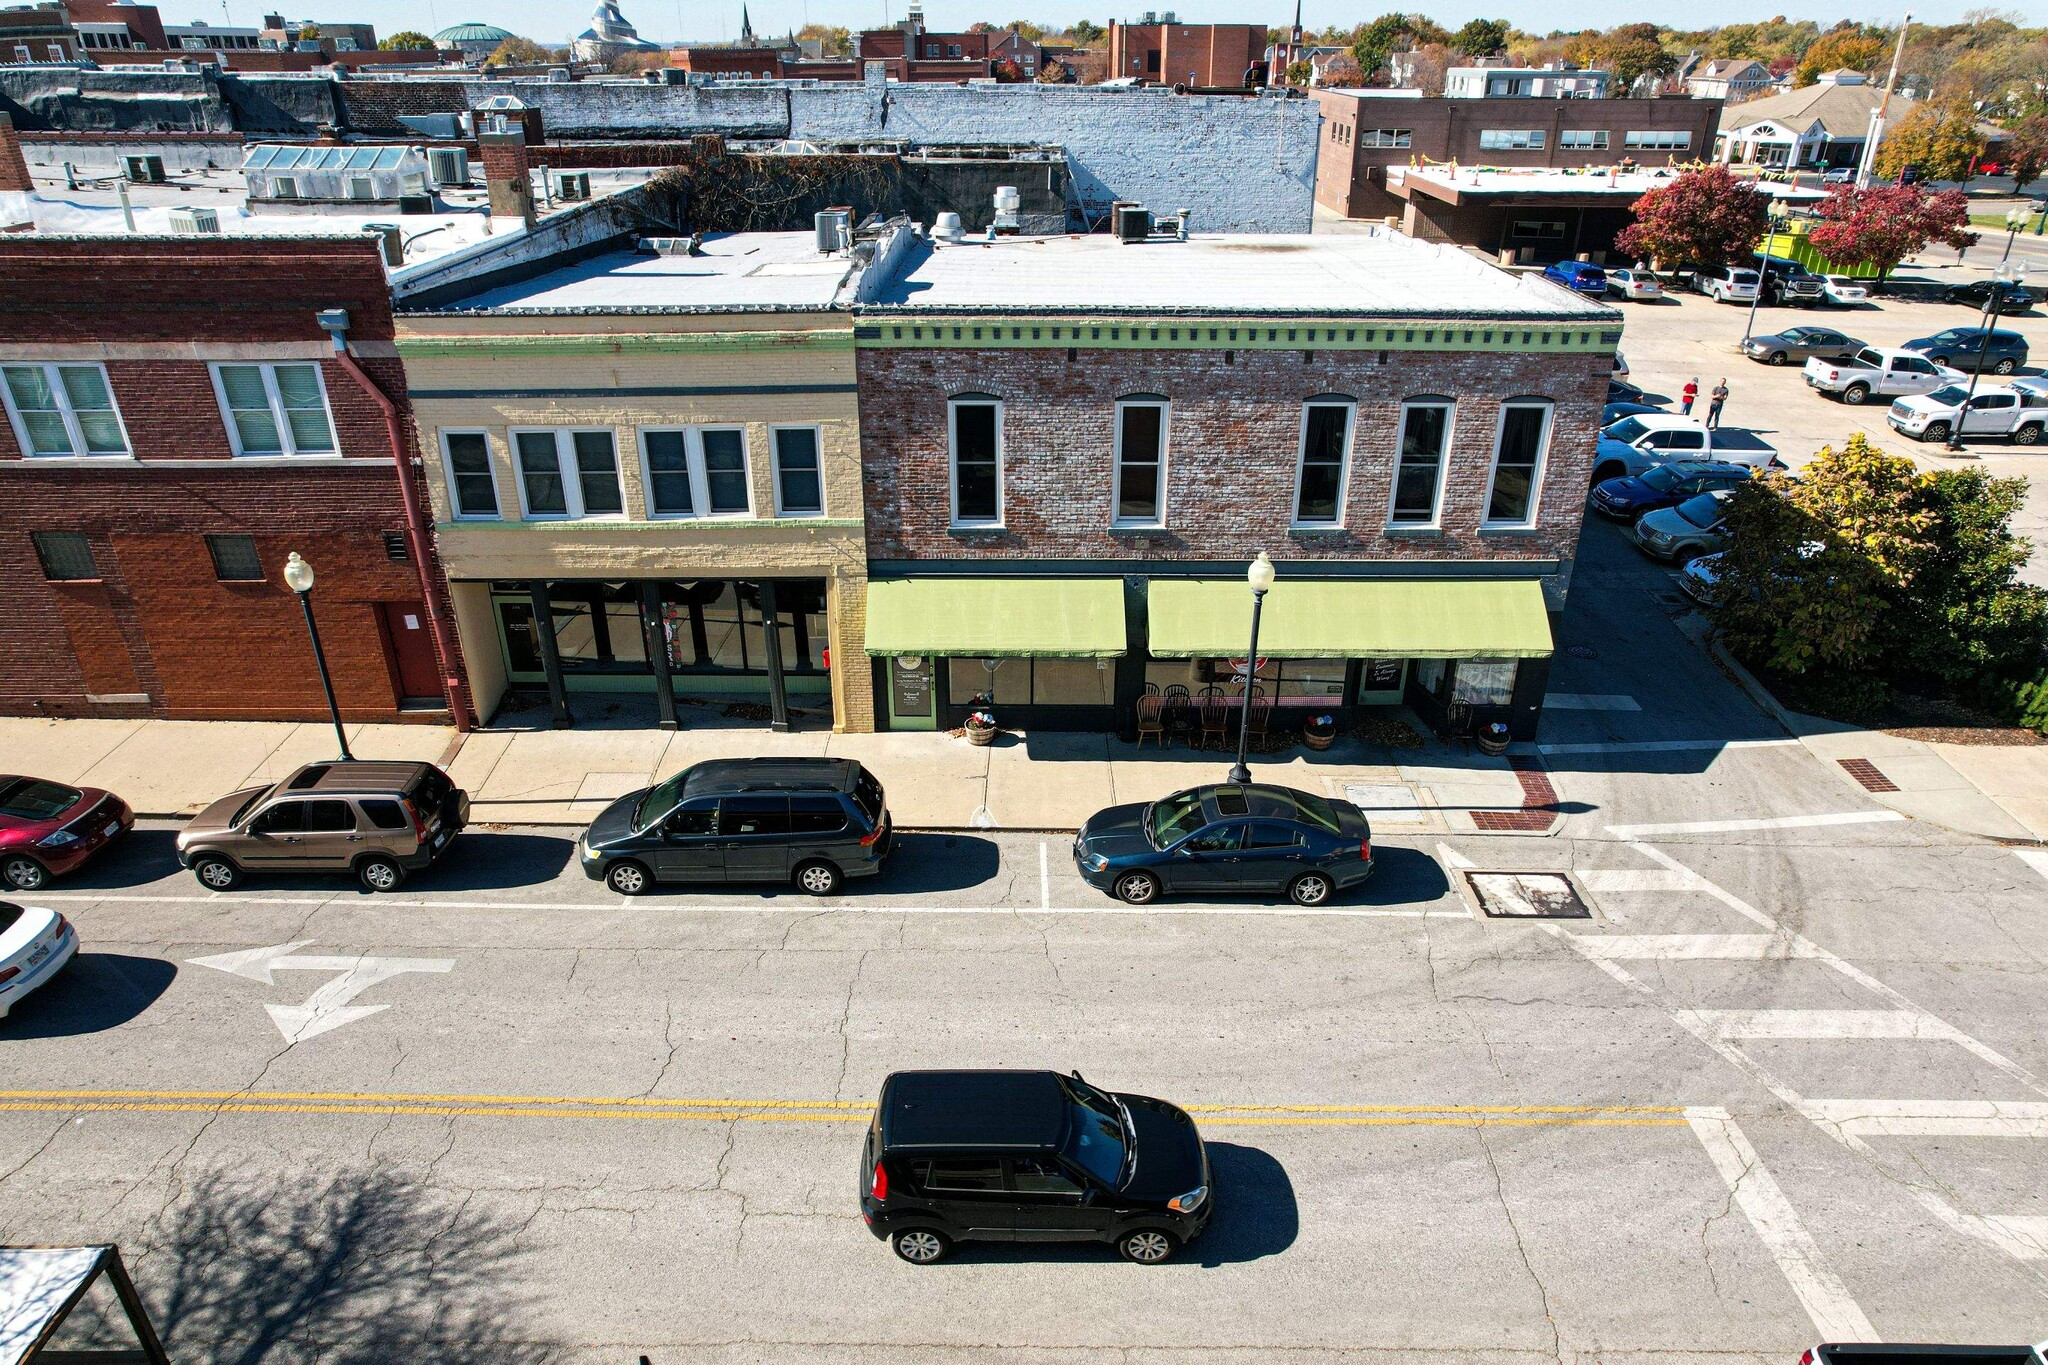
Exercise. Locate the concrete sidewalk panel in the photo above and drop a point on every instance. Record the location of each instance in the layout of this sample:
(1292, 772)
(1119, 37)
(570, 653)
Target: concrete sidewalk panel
(2014, 776)
(930, 779)
(542, 770)
(311, 743)
(479, 756)
(1048, 781)
(686, 747)
(179, 766)
(60, 750)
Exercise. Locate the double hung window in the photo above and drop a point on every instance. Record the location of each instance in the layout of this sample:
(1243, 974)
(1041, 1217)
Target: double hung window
(1319, 480)
(568, 473)
(1519, 447)
(1419, 470)
(799, 477)
(696, 472)
(275, 409)
(472, 487)
(975, 435)
(1140, 491)
(63, 410)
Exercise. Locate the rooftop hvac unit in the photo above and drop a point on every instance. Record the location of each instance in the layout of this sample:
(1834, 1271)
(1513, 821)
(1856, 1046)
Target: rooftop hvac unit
(143, 170)
(186, 222)
(573, 186)
(1132, 222)
(390, 240)
(448, 165)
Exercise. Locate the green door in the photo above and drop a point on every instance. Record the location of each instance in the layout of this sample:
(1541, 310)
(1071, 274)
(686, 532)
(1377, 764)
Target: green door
(912, 705)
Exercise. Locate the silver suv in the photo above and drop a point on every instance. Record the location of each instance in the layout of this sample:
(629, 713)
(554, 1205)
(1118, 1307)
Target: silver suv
(378, 821)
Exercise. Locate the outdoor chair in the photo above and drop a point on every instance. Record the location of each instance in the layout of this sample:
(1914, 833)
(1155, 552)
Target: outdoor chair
(1151, 718)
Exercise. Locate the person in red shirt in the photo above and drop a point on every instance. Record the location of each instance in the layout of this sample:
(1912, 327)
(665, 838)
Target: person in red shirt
(1686, 396)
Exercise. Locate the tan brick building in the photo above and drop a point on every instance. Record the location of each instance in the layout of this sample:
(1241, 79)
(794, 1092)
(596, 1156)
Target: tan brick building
(637, 463)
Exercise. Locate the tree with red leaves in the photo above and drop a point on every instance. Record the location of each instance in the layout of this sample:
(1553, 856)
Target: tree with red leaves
(1884, 224)
(1703, 219)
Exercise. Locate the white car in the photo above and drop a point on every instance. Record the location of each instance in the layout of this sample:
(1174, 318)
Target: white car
(1699, 579)
(34, 945)
(1844, 289)
(1634, 284)
(1729, 284)
(1620, 367)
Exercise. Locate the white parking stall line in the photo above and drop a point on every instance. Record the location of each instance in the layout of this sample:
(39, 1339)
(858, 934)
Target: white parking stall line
(2033, 858)
(1824, 1024)
(1827, 1301)
(1044, 878)
(1590, 701)
(1853, 817)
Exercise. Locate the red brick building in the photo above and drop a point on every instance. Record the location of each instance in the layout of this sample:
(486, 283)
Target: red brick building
(1208, 55)
(178, 421)
(1070, 458)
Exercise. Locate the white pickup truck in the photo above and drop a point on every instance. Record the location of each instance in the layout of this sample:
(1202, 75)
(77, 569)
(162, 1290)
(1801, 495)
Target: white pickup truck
(1877, 369)
(1646, 439)
(2019, 412)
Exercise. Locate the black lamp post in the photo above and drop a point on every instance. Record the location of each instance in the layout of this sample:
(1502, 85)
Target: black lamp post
(2007, 273)
(298, 576)
(1260, 576)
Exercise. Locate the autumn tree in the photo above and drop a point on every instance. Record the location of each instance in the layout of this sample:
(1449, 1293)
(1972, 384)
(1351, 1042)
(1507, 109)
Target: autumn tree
(517, 51)
(411, 40)
(1426, 68)
(1085, 31)
(1884, 224)
(1941, 139)
(2026, 153)
(832, 40)
(1481, 38)
(1703, 219)
(1631, 52)
(1341, 72)
(1842, 48)
(1372, 43)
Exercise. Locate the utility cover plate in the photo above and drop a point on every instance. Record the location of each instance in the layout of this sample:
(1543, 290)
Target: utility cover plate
(1527, 895)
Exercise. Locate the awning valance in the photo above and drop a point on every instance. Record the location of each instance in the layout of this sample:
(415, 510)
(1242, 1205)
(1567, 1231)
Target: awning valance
(1364, 619)
(997, 617)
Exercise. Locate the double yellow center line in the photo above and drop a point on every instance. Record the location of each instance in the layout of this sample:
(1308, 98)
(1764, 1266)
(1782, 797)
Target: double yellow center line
(798, 1111)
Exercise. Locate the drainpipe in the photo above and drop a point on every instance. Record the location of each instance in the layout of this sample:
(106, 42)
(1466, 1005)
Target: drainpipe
(335, 321)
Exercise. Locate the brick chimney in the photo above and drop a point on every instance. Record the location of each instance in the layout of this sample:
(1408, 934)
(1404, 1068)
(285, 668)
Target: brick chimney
(508, 172)
(14, 175)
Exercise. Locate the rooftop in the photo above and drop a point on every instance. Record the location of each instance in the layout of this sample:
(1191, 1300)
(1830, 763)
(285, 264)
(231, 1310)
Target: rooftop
(780, 271)
(973, 1109)
(1456, 183)
(1375, 274)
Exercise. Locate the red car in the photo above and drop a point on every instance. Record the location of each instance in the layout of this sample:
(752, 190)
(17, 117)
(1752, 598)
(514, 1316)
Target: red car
(48, 829)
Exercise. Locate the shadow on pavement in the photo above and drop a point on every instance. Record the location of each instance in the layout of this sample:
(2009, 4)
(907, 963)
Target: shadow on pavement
(481, 860)
(140, 857)
(1400, 876)
(935, 862)
(365, 1269)
(93, 993)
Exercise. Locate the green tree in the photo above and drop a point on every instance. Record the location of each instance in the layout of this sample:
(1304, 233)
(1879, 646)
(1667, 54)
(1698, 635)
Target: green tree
(308, 33)
(1969, 616)
(1786, 597)
(1086, 31)
(409, 41)
(1300, 73)
(1842, 47)
(2026, 153)
(1481, 37)
(517, 51)
(1941, 139)
(1376, 40)
(832, 41)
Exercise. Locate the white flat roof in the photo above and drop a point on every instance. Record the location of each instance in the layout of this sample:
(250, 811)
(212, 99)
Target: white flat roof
(740, 270)
(1374, 274)
(1482, 180)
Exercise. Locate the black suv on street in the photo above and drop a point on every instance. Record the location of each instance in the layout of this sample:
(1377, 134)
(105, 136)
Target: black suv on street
(810, 821)
(1030, 1156)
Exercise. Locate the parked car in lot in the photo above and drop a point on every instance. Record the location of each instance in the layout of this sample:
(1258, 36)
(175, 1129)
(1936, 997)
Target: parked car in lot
(1632, 283)
(378, 821)
(1683, 533)
(48, 829)
(34, 946)
(2017, 413)
(1969, 348)
(1030, 1156)
(1885, 370)
(1665, 485)
(1581, 277)
(812, 822)
(1635, 444)
(1801, 344)
(1614, 412)
(1786, 281)
(1620, 370)
(1845, 289)
(2016, 298)
(1244, 840)
(1701, 578)
(1728, 284)
(1621, 391)
(1838, 175)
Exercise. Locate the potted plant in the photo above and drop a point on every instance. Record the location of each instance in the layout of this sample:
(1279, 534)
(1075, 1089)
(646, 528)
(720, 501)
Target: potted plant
(981, 721)
(1493, 738)
(1320, 732)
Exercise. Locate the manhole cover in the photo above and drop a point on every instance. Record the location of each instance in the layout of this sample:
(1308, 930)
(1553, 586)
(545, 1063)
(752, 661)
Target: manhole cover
(1582, 651)
(1527, 895)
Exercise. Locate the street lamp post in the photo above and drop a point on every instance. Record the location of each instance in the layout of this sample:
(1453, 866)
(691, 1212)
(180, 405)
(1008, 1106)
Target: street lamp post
(298, 576)
(1774, 211)
(2015, 219)
(1260, 576)
(2006, 273)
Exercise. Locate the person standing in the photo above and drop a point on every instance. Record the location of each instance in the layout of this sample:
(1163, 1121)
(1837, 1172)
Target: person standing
(1688, 395)
(1717, 398)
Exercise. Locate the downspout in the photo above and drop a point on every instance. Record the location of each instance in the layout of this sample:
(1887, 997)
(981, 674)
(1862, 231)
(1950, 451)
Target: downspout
(335, 320)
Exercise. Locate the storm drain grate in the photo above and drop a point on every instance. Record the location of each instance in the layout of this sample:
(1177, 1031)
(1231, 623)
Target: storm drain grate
(1866, 773)
(1527, 895)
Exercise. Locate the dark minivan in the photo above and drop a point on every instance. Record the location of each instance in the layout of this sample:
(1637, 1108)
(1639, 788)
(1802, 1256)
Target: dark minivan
(809, 821)
(1030, 1156)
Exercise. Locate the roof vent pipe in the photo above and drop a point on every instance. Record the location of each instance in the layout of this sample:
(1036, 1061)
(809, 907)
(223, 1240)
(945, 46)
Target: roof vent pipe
(946, 227)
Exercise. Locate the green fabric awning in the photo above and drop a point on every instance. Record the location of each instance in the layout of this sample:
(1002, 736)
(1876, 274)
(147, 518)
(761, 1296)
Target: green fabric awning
(1363, 619)
(997, 617)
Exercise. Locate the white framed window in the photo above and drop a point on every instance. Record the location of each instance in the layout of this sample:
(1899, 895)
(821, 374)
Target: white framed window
(799, 471)
(275, 409)
(1321, 473)
(1386, 137)
(1520, 444)
(63, 410)
(284, 187)
(1583, 140)
(696, 472)
(567, 472)
(974, 437)
(1658, 140)
(1511, 139)
(1419, 462)
(472, 483)
(1138, 492)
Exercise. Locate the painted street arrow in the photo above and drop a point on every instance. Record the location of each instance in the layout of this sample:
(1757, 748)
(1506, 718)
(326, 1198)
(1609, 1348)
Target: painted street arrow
(328, 1007)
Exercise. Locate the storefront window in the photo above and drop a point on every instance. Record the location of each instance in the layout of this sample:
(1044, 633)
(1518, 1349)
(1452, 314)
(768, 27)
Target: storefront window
(1072, 682)
(1031, 682)
(1484, 682)
(1312, 679)
(1285, 680)
(717, 625)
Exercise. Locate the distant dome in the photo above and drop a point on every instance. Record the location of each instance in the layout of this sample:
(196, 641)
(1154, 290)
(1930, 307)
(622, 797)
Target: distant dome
(471, 33)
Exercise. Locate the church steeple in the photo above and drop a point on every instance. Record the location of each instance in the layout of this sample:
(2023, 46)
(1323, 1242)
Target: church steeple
(746, 28)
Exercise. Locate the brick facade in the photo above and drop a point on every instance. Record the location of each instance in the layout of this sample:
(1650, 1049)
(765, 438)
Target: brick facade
(157, 633)
(14, 177)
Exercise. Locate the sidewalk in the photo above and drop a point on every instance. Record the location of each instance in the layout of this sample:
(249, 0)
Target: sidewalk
(523, 776)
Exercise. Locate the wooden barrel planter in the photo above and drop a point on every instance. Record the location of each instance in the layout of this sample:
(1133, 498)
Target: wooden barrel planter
(1319, 735)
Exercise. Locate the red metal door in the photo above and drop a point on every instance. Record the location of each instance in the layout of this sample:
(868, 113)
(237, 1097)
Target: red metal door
(412, 651)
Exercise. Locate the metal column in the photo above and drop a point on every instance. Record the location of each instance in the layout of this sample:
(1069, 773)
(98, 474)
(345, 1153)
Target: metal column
(550, 657)
(771, 639)
(657, 653)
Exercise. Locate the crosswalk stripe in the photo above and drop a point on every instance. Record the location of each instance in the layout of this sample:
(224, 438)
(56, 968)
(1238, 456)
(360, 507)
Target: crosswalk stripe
(1691, 947)
(1819, 1024)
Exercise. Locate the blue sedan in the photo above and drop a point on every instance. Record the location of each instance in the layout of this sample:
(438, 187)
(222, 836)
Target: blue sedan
(1664, 485)
(1227, 838)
